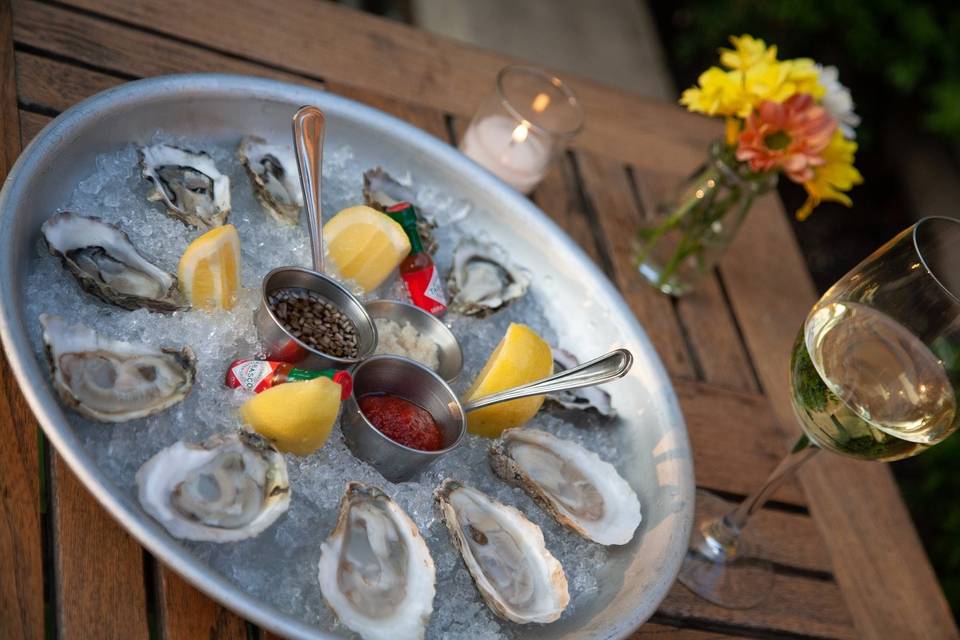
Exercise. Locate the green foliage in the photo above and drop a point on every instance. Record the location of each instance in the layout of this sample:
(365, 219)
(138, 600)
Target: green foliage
(887, 50)
(931, 491)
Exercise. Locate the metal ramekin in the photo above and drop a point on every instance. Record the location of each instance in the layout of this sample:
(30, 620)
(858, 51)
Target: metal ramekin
(411, 381)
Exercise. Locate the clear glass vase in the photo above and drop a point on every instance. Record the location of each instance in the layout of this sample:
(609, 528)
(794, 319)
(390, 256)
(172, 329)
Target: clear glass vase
(691, 230)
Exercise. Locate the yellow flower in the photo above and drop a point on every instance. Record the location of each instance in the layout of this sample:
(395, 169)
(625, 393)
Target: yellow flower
(754, 75)
(717, 94)
(803, 77)
(747, 51)
(834, 177)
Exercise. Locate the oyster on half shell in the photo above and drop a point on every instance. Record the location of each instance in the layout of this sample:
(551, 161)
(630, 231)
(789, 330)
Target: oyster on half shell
(113, 381)
(583, 398)
(482, 280)
(573, 485)
(106, 264)
(229, 488)
(272, 169)
(516, 575)
(375, 570)
(188, 183)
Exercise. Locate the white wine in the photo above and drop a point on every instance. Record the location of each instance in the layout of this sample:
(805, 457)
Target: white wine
(865, 386)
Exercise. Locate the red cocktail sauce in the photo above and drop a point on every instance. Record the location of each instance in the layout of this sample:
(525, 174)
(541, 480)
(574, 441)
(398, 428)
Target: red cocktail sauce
(402, 421)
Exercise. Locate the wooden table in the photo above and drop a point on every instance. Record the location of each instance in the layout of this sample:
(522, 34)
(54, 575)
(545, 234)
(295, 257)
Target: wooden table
(848, 558)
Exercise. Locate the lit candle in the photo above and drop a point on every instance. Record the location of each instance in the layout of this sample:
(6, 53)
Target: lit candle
(509, 150)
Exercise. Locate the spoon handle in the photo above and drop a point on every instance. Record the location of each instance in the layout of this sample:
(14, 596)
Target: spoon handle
(612, 366)
(308, 128)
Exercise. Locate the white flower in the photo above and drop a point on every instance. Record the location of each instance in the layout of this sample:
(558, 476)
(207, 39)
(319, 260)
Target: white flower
(837, 101)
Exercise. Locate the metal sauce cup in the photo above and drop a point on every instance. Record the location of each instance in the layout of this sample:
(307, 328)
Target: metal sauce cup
(278, 342)
(411, 381)
(428, 325)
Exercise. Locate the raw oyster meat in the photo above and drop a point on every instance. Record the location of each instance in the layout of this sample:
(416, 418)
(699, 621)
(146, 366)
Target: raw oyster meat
(110, 380)
(505, 553)
(573, 485)
(381, 191)
(482, 280)
(375, 570)
(106, 264)
(188, 183)
(272, 169)
(229, 488)
(584, 398)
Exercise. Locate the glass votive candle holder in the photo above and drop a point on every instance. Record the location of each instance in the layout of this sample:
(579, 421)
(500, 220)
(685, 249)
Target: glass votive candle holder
(522, 125)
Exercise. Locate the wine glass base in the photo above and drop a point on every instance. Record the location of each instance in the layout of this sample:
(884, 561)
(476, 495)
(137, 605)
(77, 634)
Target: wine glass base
(739, 582)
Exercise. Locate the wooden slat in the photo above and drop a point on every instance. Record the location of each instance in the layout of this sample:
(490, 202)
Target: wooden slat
(704, 313)
(21, 556)
(371, 53)
(126, 51)
(185, 613)
(656, 631)
(797, 605)
(606, 187)
(56, 85)
(30, 125)
(725, 428)
(100, 584)
(558, 195)
(877, 555)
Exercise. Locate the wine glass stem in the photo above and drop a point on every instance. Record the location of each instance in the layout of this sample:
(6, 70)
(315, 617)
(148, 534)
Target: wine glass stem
(721, 536)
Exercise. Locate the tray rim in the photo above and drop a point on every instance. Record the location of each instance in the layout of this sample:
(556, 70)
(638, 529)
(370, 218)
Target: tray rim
(56, 426)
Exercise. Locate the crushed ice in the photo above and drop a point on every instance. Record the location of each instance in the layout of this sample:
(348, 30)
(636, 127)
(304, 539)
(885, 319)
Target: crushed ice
(279, 566)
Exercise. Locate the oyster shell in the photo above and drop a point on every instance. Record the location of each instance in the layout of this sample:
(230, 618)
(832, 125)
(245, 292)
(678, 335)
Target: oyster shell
(110, 380)
(584, 398)
(381, 191)
(229, 488)
(188, 183)
(573, 485)
(272, 169)
(505, 553)
(375, 570)
(482, 280)
(106, 264)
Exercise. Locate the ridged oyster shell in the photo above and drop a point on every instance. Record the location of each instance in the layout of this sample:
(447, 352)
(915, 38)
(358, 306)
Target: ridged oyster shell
(483, 280)
(229, 488)
(188, 183)
(583, 398)
(516, 575)
(107, 265)
(375, 570)
(273, 172)
(572, 484)
(113, 381)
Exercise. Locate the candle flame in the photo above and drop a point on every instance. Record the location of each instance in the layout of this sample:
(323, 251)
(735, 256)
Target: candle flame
(520, 132)
(540, 103)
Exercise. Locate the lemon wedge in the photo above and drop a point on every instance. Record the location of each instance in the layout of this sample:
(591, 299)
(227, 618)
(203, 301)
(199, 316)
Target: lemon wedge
(296, 416)
(521, 357)
(365, 245)
(209, 269)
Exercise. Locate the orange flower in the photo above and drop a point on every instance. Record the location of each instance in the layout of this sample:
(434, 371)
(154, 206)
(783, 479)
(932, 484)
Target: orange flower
(788, 136)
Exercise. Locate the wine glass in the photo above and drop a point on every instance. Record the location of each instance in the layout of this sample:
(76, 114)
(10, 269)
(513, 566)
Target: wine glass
(874, 374)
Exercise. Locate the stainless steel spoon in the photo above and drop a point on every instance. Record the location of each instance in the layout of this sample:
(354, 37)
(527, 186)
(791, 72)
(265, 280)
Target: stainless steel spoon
(309, 125)
(611, 366)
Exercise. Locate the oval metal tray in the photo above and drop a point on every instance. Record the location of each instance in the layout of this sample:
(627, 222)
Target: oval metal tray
(636, 577)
